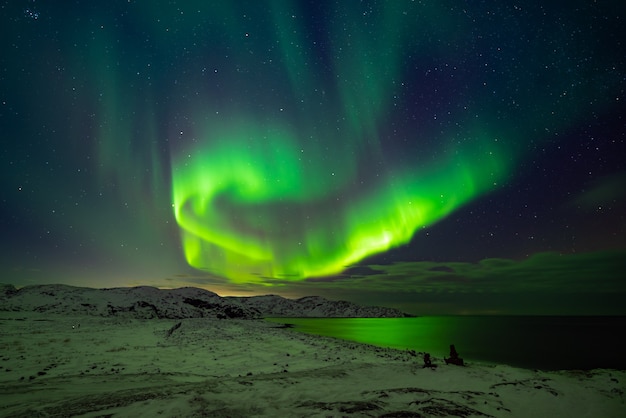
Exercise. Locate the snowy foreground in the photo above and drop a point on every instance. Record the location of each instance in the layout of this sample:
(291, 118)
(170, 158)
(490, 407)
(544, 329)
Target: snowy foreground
(57, 365)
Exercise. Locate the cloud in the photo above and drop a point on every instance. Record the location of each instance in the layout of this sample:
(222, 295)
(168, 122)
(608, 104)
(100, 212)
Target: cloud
(548, 282)
(606, 192)
(545, 283)
(548, 271)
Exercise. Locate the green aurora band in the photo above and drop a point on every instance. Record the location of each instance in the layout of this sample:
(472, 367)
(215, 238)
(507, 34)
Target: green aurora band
(260, 201)
(251, 210)
(308, 192)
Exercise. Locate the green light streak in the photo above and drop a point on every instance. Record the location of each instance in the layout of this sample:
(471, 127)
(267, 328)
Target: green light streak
(263, 200)
(251, 210)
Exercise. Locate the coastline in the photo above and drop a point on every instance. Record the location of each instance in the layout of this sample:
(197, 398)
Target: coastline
(527, 342)
(59, 365)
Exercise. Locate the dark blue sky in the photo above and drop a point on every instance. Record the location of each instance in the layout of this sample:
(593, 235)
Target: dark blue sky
(442, 158)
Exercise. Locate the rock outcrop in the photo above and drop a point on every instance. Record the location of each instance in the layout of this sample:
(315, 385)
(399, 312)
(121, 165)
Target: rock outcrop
(313, 307)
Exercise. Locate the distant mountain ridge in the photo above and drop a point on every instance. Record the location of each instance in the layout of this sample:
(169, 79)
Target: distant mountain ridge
(185, 302)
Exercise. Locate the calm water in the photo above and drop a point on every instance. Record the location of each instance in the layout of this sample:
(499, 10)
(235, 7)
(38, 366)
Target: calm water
(536, 342)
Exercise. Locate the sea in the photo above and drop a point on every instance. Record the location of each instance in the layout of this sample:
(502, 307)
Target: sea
(531, 342)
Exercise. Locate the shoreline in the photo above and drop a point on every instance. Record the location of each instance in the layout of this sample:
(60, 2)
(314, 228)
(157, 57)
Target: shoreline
(55, 365)
(542, 343)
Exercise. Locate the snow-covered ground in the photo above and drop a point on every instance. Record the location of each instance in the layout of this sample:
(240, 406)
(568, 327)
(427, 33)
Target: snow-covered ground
(121, 366)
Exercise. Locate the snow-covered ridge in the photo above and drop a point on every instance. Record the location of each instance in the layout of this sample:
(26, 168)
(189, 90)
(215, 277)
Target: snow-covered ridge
(186, 302)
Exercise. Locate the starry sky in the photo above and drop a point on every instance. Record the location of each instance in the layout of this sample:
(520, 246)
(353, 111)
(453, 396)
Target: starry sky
(439, 157)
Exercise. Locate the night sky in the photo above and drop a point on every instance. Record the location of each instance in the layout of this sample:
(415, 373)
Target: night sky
(439, 157)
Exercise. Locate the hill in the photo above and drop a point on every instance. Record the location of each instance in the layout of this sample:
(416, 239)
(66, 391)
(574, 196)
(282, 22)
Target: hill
(186, 302)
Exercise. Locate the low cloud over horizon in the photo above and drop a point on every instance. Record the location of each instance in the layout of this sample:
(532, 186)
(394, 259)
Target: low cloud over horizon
(545, 283)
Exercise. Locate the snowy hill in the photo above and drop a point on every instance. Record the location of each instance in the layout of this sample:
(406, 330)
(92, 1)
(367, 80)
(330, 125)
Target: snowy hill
(186, 302)
(312, 306)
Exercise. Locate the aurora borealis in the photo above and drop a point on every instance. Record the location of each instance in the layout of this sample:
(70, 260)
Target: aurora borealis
(427, 155)
(279, 199)
(252, 206)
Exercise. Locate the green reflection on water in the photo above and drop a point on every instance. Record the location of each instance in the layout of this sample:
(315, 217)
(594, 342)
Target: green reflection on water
(543, 342)
(422, 334)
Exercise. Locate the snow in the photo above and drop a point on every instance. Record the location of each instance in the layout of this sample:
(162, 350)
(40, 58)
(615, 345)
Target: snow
(86, 365)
